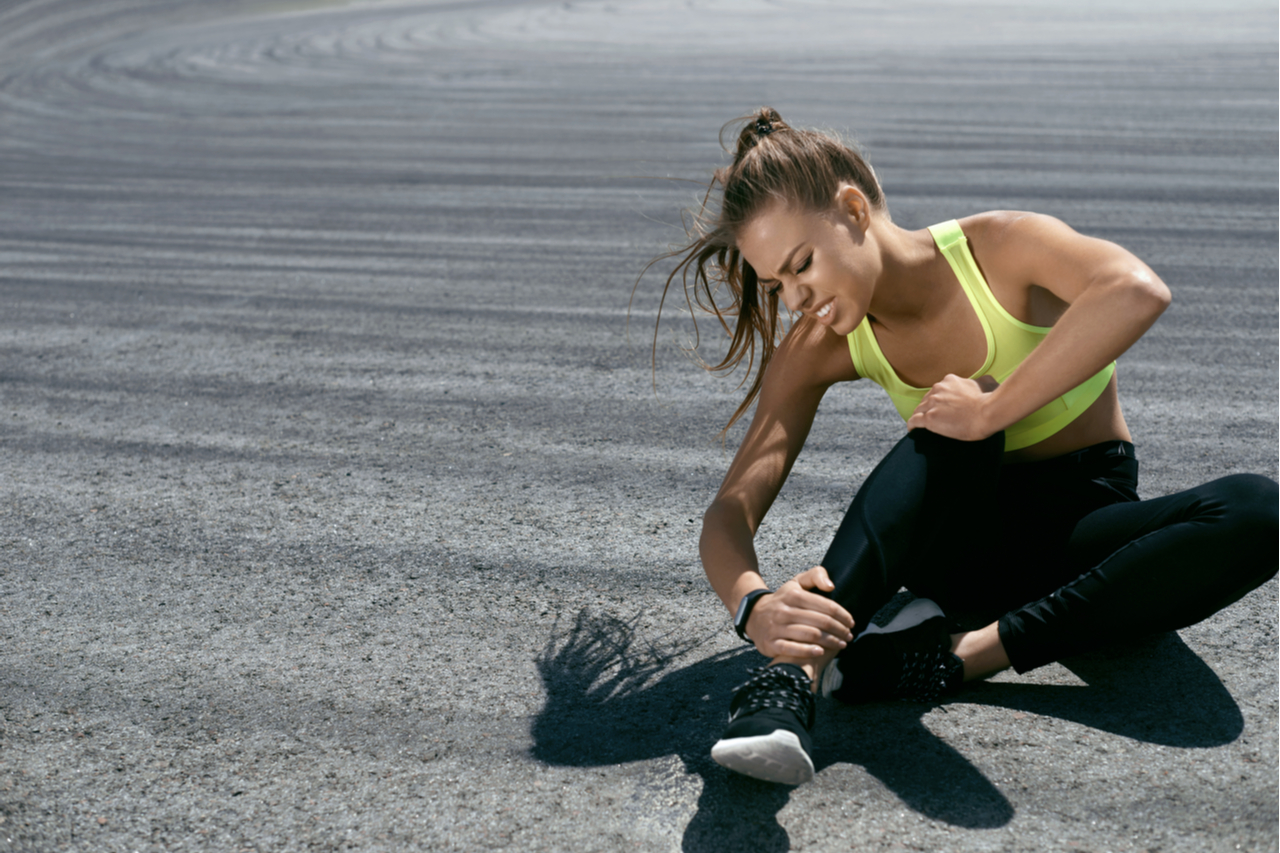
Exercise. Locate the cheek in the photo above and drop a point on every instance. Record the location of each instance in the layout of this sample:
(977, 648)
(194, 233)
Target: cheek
(864, 271)
(850, 274)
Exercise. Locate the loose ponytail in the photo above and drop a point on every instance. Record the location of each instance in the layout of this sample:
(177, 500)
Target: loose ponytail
(772, 161)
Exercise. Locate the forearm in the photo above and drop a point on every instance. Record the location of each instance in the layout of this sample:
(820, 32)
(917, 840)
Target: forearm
(794, 622)
(728, 555)
(1098, 327)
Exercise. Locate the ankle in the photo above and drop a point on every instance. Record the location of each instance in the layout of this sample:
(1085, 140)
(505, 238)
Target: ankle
(981, 652)
(812, 667)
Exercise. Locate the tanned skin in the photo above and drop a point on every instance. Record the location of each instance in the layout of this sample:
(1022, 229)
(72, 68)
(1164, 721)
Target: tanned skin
(838, 266)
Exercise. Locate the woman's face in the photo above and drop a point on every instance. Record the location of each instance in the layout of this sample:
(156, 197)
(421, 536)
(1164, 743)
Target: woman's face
(821, 264)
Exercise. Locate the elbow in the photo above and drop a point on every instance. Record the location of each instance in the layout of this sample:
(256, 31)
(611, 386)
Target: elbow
(1159, 295)
(714, 518)
(724, 518)
(1148, 293)
(709, 522)
(709, 517)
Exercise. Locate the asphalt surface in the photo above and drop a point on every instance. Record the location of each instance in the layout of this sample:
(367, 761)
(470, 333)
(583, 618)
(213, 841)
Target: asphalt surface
(338, 510)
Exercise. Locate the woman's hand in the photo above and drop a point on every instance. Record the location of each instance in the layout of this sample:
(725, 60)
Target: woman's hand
(955, 407)
(791, 621)
(1097, 297)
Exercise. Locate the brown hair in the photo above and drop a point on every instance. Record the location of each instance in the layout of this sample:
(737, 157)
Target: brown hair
(771, 162)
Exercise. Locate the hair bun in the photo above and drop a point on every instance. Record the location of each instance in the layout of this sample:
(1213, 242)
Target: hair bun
(756, 127)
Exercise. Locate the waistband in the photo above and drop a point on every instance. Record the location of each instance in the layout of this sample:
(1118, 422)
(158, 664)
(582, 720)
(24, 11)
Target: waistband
(1085, 456)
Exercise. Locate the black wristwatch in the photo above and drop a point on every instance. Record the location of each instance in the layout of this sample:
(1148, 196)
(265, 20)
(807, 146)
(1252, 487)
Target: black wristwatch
(744, 611)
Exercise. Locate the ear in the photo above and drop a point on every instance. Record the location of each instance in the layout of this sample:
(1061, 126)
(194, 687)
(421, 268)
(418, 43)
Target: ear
(854, 202)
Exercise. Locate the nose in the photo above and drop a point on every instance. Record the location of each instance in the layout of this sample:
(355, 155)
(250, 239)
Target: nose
(794, 297)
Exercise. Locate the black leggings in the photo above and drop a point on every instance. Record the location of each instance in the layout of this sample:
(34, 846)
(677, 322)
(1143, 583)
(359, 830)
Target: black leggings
(1061, 552)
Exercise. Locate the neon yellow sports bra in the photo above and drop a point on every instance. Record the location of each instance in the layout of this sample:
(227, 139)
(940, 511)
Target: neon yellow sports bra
(1009, 341)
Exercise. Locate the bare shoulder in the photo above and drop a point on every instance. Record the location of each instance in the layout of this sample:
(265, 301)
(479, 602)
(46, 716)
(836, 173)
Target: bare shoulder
(998, 232)
(1023, 253)
(811, 356)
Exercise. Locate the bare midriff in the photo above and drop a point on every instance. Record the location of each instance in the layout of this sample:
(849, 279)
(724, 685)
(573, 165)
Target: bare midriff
(1102, 421)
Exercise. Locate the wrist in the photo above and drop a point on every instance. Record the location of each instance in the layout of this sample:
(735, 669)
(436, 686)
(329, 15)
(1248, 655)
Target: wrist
(745, 582)
(745, 608)
(991, 413)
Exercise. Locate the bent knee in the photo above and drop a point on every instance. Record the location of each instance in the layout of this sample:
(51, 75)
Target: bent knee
(1252, 511)
(1252, 499)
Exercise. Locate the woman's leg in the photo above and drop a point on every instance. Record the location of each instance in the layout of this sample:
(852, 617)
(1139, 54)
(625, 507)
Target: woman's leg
(919, 513)
(980, 651)
(1151, 566)
(926, 511)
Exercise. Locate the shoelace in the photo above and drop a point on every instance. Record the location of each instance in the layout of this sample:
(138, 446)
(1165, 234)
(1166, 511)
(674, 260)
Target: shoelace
(774, 687)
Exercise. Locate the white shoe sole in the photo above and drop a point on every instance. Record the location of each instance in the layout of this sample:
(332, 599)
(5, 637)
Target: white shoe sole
(920, 610)
(776, 757)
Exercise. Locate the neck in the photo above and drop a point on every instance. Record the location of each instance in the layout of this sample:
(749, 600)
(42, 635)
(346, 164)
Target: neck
(907, 286)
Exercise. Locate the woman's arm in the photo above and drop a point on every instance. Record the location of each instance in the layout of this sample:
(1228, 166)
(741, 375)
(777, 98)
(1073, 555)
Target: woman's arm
(791, 620)
(1112, 298)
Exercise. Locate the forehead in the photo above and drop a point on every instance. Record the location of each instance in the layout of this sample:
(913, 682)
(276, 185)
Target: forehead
(768, 237)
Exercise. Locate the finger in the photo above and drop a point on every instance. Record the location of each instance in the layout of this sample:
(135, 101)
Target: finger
(807, 623)
(918, 416)
(816, 577)
(822, 605)
(806, 633)
(825, 626)
(790, 648)
(792, 598)
(795, 595)
(821, 578)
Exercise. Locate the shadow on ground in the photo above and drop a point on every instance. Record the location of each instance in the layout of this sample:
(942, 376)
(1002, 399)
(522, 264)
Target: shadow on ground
(613, 697)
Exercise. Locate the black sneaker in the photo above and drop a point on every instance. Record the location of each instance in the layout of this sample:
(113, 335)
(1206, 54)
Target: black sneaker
(908, 659)
(769, 722)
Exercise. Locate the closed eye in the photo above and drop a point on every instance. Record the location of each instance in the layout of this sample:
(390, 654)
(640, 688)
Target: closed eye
(774, 290)
(804, 265)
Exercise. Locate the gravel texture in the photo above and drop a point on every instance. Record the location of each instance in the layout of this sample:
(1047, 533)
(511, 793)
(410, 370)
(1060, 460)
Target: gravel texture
(337, 507)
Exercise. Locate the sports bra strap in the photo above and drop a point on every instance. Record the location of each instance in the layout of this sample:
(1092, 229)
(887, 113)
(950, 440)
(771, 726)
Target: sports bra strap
(947, 234)
(1009, 341)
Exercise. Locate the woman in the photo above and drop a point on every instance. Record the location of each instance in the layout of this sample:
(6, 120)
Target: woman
(1009, 509)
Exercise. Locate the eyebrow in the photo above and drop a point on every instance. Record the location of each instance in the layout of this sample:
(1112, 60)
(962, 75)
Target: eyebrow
(786, 262)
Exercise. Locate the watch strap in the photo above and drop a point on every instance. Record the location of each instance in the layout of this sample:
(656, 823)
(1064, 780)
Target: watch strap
(744, 611)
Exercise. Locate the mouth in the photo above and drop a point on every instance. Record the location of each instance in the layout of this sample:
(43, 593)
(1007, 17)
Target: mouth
(825, 311)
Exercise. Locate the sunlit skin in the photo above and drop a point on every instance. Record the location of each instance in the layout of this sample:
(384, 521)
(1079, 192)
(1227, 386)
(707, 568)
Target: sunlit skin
(837, 266)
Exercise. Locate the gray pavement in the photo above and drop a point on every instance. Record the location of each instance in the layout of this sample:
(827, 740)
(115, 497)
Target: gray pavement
(337, 509)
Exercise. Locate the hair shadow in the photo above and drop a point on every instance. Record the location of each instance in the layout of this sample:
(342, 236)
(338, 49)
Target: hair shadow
(615, 696)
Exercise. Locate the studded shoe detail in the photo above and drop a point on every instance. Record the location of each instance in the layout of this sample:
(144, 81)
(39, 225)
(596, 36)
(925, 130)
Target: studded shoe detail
(908, 659)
